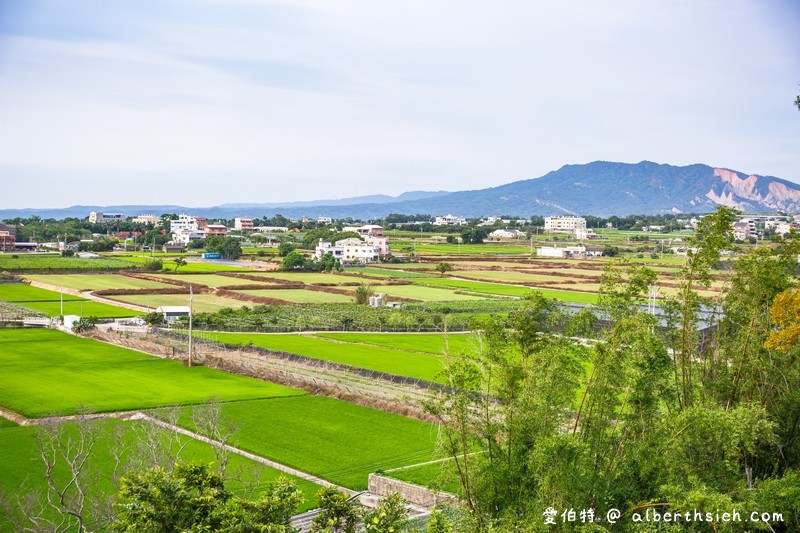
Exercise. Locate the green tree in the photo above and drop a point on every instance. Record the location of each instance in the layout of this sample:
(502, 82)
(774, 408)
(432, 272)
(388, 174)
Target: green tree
(227, 247)
(193, 498)
(285, 248)
(442, 268)
(179, 262)
(363, 293)
(294, 260)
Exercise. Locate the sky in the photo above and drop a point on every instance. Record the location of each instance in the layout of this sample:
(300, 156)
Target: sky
(204, 102)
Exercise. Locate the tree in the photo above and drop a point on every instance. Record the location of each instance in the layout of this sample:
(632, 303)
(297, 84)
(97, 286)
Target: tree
(285, 248)
(179, 262)
(193, 498)
(227, 247)
(294, 260)
(363, 293)
(797, 102)
(443, 268)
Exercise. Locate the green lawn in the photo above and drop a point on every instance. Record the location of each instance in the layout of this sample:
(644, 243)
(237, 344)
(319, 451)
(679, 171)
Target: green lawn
(302, 296)
(96, 282)
(49, 302)
(21, 468)
(505, 275)
(44, 372)
(335, 440)
(190, 266)
(402, 363)
(56, 262)
(201, 303)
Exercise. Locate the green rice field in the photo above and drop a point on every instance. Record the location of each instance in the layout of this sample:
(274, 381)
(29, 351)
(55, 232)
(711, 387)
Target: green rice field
(56, 262)
(432, 343)
(309, 277)
(335, 440)
(96, 282)
(21, 466)
(49, 302)
(201, 303)
(210, 280)
(46, 372)
(301, 296)
(424, 294)
(371, 357)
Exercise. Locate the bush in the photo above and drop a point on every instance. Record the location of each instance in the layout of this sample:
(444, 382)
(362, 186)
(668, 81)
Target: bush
(153, 265)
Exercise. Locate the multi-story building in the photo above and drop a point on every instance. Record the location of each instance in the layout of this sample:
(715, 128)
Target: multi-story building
(564, 224)
(8, 236)
(146, 219)
(185, 229)
(105, 218)
(450, 220)
(324, 220)
(352, 250)
(243, 224)
(373, 236)
(742, 231)
(213, 230)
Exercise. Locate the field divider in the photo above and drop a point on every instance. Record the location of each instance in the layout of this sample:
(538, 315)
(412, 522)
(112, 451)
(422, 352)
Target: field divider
(142, 416)
(253, 457)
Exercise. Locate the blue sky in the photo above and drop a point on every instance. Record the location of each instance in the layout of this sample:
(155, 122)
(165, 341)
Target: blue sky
(202, 102)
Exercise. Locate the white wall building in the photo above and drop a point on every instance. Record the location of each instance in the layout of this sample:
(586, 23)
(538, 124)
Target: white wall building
(578, 252)
(146, 219)
(564, 224)
(352, 250)
(450, 220)
(185, 229)
(105, 218)
(324, 220)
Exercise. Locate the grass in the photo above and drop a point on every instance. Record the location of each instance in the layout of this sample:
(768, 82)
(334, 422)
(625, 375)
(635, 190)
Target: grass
(437, 476)
(302, 296)
(335, 440)
(45, 372)
(21, 468)
(49, 302)
(56, 262)
(381, 359)
(96, 282)
(391, 273)
(505, 275)
(201, 303)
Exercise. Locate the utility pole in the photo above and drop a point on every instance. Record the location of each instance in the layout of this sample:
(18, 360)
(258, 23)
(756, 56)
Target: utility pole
(191, 295)
(62, 303)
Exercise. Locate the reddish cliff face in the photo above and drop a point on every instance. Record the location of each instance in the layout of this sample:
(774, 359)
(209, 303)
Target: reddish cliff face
(737, 191)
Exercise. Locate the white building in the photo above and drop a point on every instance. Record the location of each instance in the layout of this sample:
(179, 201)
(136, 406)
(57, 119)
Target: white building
(507, 234)
(352, 250)
(105, 218)
(243, 224)
(577, 252)
(173, 312)
(324, 220)
(271, 229)
(146, 219)
(450, 220)
(564, 224)
(586, 233)
(185, 229)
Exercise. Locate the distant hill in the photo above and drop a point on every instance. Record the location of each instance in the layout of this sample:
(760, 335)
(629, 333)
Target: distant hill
(601, 188)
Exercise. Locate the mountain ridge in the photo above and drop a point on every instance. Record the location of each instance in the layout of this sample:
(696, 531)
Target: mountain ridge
(601, 188)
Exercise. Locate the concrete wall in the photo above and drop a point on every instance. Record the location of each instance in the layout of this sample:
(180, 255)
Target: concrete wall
(416, 494)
